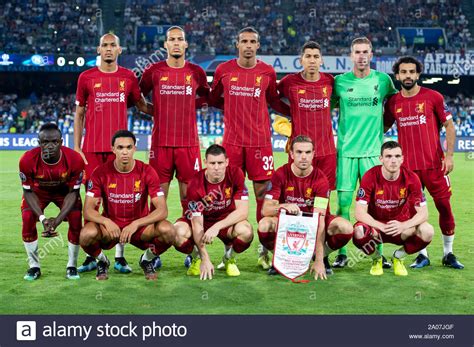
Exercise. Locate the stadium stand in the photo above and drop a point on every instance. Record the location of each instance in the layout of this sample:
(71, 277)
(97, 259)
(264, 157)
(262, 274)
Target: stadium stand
(59, 108)
(43, 26)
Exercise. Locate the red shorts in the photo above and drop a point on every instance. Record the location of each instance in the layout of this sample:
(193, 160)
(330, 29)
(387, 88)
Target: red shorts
(256, 161)
(135, 240)
(222, 233)
(186, 161)
(95, 159)
(45, 200)
(327, 220)
(327, 164)
(384, 238)
(437, 184)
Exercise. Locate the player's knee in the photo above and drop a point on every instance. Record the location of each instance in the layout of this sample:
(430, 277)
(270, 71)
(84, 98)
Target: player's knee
(243, 230)
(266, 225)
(88, 235)
(341, 226)
(425, 231)
(358, 232)
(166, 231)
(182, 231)
(28, 230)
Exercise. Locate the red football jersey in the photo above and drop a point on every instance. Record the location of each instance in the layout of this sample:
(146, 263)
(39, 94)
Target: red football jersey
(419, 120)
(310, 104)
(391, 200)
(287, 188)
(216, 201)
(245, 93)
(174, 100)
(124, 195)
(107, 97)
(51, 179)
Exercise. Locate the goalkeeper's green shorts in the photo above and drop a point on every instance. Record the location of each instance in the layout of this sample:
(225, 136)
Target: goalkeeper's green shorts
(349, 170)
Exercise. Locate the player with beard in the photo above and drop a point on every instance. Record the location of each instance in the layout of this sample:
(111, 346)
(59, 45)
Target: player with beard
(391, 208)
(103, 95)
(245, 86)
(179, 88)
(360, 94)
(420, 113)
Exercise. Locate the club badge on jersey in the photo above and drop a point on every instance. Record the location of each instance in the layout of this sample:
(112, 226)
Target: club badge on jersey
(295, 243)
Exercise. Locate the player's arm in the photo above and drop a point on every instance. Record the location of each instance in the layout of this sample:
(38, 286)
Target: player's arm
(240, 213)
(272, 207)
(448, 162)
(79, 129)
(144, 106)
(395, 227)
(273, 98)
(216, 95)
(69, 201)
(158, 214)
(362, 215)
(111, 230)
(388, 118)
(207, 269)
(203, 90)
(318, 266)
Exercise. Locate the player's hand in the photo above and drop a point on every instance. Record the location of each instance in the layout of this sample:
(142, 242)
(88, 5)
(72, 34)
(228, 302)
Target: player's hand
(394, 228)
(207, 270)
(111, 229)
(127, 232)
(49, 225)
(318, 270)
(291, 208)
(209, 235)
(78, 150)
(447, 164)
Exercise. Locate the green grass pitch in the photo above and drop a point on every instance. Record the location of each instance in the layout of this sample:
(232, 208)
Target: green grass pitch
(433, 290)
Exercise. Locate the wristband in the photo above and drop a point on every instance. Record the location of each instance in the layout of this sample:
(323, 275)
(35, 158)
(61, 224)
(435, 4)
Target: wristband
(42, 218)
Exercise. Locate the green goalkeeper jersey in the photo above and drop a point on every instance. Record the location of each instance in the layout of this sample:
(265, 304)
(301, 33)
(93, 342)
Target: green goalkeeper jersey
(361, 100)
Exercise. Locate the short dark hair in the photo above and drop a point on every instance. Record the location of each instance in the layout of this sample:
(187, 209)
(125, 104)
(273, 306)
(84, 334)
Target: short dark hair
(50, 126)
(248, 30)
(389, 145)
(301, 139)
(310, 45)
(360, 40)
(407, 60)
(123, 133)
(175, 27)
(215, 149)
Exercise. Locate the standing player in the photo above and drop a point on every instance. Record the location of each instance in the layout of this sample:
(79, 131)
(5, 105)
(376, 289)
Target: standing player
(124, 185)
(103, 95)
(360, 94)
(246, 86)
(309, 93)
(420, 112)
(179, 87)
(51, 173)
(218, 207)
(391, 208)
(301, 187)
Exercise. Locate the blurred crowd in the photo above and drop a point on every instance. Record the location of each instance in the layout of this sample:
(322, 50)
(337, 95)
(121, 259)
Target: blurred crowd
(45, 26)
(59, 108)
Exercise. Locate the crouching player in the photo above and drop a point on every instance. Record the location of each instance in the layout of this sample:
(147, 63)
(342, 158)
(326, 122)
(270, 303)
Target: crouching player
(218, 207)
(51, 173)
(301, 187)
(391, 208)
(124, 185)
